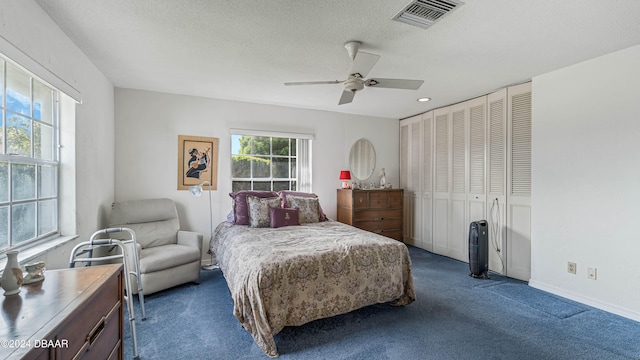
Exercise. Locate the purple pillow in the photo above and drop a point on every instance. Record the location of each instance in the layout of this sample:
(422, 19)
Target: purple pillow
(240, 208)
(283, 217)
(285, 193)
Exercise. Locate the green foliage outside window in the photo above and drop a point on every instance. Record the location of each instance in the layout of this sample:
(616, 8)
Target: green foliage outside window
(263, 163)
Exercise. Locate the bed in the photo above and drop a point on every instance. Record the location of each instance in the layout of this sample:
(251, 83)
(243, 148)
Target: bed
(291, 275)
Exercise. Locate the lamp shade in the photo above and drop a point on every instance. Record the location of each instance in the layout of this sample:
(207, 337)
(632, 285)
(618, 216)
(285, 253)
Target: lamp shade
(345, 175)
(196, 190)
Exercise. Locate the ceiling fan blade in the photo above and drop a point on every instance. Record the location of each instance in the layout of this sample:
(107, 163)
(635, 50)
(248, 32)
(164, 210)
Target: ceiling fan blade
(394, 83)
(312, 82)
(363, 63)
(347, 97)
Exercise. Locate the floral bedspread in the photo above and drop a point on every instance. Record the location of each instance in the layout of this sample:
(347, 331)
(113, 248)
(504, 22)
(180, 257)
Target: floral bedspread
(292, 275)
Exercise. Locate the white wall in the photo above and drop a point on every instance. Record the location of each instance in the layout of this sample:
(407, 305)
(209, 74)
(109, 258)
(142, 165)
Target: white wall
(25, 25)
(148, 125)
(586, 181)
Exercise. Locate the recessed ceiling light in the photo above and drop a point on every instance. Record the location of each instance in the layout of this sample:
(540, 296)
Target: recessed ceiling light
(424, 99)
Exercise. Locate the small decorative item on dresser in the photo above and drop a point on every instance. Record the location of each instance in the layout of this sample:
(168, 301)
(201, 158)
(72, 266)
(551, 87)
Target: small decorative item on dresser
(35, 273)
(383, 179)
(345, 176)
(12, 275)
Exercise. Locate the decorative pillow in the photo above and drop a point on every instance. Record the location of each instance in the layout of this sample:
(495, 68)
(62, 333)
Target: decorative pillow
(230, 217)
(284, 217)
(308, 208)
(259, 210)
(240, 210)
(286, 193)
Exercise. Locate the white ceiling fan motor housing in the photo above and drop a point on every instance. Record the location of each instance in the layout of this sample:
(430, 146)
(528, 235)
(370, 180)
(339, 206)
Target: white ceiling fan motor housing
(353, 84)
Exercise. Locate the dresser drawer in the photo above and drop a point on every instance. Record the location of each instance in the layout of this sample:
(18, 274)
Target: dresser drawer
(378, 199)
(376, 225)
(376, 214)
(375, 210)
(104, 338)
(395, 199)
(394, 234)
(360, 200)
(77, 328)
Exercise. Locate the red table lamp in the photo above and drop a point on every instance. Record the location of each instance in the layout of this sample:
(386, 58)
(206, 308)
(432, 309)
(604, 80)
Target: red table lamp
(345, 176)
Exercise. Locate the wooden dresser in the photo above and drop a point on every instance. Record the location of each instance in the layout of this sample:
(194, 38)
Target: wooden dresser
(378, 211)
(73, 314)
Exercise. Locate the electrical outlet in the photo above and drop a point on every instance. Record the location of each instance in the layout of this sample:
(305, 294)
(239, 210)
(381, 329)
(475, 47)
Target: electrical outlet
(592, 273)
(571, 267)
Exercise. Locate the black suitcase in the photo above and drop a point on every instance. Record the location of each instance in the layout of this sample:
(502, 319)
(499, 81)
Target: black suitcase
(479, 249)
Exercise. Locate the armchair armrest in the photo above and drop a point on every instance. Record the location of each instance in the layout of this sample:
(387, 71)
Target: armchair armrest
(190, 238)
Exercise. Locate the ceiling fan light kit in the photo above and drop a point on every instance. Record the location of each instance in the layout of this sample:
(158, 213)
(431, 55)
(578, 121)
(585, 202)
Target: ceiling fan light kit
(362, 63)
(354, 84)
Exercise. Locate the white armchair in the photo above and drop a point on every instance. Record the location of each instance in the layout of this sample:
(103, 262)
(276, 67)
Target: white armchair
(168, 256)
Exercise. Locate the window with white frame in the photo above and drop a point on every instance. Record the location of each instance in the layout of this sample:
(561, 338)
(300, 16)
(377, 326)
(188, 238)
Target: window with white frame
(29, 160)
(270, 161)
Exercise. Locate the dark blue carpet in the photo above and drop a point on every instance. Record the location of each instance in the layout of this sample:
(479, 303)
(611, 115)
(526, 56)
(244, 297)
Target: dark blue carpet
(454, 317)
(549, 303)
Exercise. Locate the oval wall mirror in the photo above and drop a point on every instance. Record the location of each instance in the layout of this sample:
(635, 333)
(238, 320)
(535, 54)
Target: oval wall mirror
(362, 159)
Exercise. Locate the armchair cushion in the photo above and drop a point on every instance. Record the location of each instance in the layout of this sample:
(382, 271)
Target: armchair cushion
(168, 256)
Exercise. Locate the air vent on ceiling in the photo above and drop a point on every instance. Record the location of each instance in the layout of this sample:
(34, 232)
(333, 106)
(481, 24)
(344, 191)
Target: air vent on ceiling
(424, 13)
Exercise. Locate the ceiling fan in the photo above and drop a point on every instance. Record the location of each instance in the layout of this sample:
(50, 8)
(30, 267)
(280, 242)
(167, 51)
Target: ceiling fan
(362, 63)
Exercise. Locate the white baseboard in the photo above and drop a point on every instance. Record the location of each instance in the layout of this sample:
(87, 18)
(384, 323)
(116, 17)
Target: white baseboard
(614, 309)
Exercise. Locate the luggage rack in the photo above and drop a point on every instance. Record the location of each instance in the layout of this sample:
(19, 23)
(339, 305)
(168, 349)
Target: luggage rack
(88, 247)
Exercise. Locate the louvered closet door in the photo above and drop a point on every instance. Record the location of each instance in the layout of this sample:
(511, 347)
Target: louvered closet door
(405, 126)
(496, 178)
(410, 163)
(441, 176)
(413, 192)
(458, 242)
(519, 182)
(427, 198)
(476, 195)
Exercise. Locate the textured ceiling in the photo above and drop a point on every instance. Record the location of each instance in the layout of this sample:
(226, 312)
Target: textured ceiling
(246, 49)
